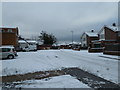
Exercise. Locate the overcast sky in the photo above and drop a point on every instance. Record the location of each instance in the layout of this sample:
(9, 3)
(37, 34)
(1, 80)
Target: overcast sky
(59, 18)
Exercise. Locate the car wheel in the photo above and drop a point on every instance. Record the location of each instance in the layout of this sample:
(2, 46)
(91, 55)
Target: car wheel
(10, 56)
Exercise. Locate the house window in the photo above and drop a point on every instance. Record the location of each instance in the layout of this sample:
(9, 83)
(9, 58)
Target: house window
(9, 30)
(83, 39)
(84, 45)
(102, 36)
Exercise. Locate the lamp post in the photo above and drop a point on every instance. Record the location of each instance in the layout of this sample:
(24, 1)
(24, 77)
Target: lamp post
(72, 39)
(72, 36)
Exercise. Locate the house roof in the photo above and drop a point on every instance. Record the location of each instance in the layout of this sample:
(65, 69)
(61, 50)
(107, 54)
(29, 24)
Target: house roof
(92, 34)
(31, 41)
(63, 43)
(7, 27)
(22, 41)
(7, 46)
(114, 28)
(75, 43)
(39, 42)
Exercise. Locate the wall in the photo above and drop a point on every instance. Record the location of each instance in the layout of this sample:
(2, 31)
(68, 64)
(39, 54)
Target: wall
(83, 41)
(9, 39)
(89, 39)
(101, 34)
(110, 35)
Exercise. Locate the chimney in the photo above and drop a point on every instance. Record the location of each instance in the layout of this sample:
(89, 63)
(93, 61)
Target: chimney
(92, 30)
(114, 24)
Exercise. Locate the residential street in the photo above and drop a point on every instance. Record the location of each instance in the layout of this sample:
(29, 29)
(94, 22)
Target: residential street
(67, 44)
(51, 60)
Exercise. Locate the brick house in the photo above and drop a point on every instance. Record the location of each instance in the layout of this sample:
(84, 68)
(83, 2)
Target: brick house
(9, 36)
(109, 33)
(110, 39)
(87, 38)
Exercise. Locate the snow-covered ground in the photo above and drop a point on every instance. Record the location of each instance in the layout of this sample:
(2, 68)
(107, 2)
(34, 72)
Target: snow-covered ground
(64, 81)
(45, 60)
(111, 56)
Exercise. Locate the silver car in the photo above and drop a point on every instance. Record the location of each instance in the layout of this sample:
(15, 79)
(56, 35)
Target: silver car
(7, 52)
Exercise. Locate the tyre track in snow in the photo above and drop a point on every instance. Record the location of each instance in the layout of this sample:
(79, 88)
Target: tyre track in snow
(78, 58)
(100, 62)
(97, 64)
(89, 58)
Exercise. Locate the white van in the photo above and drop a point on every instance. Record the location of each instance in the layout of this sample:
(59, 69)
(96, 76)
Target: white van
(23, 45)
(32, 45)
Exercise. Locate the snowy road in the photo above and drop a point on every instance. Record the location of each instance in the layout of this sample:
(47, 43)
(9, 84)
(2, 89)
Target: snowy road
(56, 59)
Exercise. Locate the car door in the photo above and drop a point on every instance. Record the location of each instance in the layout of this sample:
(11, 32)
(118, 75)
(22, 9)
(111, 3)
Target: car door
(5, 52)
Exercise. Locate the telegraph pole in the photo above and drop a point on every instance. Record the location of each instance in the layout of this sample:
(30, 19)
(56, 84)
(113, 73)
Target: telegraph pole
(72, 36)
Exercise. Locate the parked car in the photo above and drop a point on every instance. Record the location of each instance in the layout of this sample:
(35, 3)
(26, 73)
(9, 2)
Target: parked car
(7, 52)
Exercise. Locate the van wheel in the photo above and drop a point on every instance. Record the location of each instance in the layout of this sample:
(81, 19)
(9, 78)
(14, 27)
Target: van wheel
(10, 56)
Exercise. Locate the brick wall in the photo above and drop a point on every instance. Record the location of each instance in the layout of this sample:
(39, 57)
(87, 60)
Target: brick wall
(89, 39)
(110, 35)
(112, 47)
(9, 38)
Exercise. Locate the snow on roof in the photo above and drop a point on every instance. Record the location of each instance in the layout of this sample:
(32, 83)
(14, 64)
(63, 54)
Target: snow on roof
(55, 44)
(7, 46)
(21, 41)
(7, 27)
(64, 43)
(40, 43)
(92, 34)
(32, 41)
(75, 43)
(114, 28)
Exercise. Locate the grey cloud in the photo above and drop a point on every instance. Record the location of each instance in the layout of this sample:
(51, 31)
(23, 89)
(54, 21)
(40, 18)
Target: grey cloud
(59, 18)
